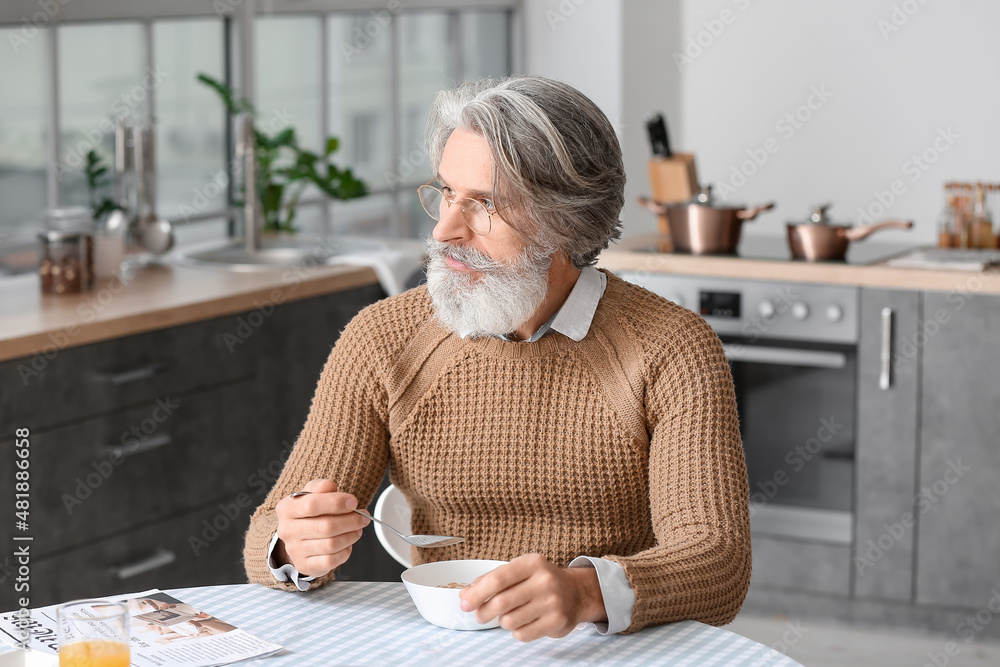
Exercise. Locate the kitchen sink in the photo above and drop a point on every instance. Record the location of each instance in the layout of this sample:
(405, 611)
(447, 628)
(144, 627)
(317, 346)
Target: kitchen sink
(273, 257)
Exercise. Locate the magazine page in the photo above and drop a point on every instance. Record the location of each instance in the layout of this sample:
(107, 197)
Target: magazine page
(163, 632)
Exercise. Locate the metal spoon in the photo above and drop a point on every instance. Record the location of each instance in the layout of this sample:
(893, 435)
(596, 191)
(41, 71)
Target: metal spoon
(425, 541)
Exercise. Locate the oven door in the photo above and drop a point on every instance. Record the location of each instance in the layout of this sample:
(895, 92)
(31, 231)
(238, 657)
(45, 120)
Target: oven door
(796, 404)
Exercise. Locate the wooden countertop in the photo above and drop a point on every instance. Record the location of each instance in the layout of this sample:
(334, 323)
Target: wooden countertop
(624, 257)
(154, 298)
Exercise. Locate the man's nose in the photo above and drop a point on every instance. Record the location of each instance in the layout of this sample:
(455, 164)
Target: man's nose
(451, 227)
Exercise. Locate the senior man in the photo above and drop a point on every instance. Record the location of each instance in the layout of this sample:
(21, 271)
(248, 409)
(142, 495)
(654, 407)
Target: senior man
(552, 414)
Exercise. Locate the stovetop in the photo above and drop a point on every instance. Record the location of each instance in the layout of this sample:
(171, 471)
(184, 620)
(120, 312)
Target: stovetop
(775, 248)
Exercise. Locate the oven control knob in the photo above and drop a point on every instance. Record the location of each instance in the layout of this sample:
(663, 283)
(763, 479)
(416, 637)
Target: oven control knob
(834, 312)
(766, 309)
(800, 311)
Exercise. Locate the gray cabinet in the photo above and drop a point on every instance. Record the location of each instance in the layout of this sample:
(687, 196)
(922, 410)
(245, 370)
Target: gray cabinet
(150, 452)
(801, 566)
(299, 339)
(959, 490)
(886, 456)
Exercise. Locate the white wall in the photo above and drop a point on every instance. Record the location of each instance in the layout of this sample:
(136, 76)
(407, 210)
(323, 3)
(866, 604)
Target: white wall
(610, 50)
(579, 42)
(891, 95)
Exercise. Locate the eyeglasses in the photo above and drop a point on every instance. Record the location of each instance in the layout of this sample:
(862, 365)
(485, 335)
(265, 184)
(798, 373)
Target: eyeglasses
(475, 213)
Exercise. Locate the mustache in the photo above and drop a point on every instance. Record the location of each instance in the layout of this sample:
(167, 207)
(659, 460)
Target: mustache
(538, 257)
(472, 258)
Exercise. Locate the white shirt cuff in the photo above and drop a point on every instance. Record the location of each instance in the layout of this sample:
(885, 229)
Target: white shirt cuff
(288, 572)
(619, 598)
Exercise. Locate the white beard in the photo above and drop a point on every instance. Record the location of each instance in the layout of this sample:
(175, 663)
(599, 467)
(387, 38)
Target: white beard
(494, 303)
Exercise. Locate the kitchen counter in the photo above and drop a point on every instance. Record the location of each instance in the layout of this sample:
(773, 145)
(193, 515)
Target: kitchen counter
(634, 254)
(153, 298)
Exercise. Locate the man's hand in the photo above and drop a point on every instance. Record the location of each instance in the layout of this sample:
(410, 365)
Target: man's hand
(316, 532)
(534, 598)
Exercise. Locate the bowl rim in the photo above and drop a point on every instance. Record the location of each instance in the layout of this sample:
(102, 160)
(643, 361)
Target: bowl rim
(443, 563)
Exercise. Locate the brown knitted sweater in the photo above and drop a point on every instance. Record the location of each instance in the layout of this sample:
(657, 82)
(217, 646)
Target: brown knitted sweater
(625, 445)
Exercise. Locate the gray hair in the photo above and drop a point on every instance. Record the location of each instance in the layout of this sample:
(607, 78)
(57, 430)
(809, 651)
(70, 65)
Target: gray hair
(556, 159)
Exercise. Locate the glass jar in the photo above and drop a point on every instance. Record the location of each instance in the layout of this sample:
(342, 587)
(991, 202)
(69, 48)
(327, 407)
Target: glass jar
(66, 265)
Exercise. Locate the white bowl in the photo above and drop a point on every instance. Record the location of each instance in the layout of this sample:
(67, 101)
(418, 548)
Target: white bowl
(441, 606)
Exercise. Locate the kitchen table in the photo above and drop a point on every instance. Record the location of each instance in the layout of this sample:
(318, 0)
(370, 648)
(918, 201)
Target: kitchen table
(362, 623)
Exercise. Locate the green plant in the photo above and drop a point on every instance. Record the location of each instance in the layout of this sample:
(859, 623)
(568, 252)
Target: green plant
(284, 169)
(95, 170)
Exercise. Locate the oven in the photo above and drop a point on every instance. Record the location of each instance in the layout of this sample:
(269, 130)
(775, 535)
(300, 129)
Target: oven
(793, 353)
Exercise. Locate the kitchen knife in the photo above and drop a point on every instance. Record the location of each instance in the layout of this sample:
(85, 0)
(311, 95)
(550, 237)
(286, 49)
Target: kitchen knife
(656, 126)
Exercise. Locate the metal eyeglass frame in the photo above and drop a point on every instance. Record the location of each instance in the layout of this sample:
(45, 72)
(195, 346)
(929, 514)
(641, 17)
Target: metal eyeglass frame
(489, 216)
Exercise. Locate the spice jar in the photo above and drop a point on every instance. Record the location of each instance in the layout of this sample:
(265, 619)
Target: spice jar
(67, 261)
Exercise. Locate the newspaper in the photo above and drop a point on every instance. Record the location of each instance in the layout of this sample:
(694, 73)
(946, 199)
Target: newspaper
(163, 632)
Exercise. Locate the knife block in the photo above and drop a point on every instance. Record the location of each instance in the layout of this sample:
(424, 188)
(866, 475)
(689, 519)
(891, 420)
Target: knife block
(673, 179)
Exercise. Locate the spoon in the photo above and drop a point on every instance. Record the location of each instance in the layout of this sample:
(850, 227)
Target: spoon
(425, 541)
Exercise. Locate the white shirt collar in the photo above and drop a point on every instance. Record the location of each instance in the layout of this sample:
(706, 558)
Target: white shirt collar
(577, 313)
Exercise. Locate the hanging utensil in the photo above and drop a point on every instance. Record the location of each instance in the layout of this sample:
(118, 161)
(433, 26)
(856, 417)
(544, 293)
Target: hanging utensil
(156, 234)
(119, 220)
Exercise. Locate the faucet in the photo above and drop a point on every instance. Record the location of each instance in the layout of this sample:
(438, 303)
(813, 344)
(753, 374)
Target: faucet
(247, 150)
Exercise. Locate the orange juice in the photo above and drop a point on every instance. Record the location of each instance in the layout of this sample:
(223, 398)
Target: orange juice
(94, 653)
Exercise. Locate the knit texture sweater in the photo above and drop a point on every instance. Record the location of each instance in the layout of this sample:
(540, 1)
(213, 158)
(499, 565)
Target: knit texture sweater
(625, 445)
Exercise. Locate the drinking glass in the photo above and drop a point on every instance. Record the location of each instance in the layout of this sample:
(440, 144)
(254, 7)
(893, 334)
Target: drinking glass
(93, 633)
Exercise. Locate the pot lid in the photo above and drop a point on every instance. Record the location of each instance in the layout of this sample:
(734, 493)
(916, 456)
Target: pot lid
(706, 198)
(818, 216)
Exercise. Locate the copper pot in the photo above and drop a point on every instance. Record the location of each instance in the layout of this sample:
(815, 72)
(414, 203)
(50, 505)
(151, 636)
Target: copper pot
(702, 227)
(818, 240)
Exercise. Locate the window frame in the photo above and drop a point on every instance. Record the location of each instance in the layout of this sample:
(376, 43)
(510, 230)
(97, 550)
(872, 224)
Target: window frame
(238, 16)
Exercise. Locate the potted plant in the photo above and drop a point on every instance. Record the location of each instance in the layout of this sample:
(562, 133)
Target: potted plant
(285, 169)
(94, 170)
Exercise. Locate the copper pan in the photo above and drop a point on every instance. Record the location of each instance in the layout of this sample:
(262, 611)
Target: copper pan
(818, 242)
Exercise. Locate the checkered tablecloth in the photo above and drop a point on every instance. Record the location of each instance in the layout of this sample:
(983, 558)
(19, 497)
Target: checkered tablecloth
(361, 623)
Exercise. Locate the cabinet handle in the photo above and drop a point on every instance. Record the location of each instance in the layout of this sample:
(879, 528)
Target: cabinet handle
(154, 442)
(885, 357)
(134, 374)
(161, 558)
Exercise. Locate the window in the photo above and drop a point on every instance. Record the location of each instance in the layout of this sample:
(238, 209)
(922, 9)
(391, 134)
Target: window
(366, 76)
(364, 131)
(24, 138)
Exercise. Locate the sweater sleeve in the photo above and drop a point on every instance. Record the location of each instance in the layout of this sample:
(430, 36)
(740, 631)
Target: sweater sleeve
(699, 499)
(345, 438)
